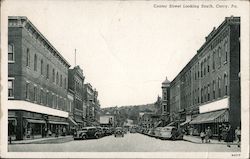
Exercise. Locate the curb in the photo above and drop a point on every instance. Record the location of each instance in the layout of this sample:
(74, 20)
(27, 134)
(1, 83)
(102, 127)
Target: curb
(222, 143)
(31, 142)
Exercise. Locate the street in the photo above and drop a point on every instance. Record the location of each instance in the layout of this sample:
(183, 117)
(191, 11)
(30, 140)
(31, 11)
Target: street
(129, 143)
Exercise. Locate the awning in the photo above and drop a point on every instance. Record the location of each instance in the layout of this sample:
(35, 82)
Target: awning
(185, 122)
(211, 117)
(72, 121)
(36, 121)
(58, 122)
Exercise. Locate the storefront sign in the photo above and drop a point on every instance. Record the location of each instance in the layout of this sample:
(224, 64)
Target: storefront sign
(217, 105)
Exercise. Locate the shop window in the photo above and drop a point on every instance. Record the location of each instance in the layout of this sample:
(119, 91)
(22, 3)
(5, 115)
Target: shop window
(10, 52)
(35, 62)
(10, 88)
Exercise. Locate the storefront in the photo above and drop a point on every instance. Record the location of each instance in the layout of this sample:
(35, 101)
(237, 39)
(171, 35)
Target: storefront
(210, 119)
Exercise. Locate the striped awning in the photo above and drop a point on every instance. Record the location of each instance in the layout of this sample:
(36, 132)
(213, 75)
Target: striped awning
(211, 117)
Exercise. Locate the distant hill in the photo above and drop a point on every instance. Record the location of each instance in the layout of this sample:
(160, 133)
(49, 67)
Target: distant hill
(128, 112)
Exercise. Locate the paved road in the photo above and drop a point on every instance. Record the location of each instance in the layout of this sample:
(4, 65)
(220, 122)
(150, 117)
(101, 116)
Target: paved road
(129, 143)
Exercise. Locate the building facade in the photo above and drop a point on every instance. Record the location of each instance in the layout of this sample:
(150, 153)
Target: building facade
(37, 82)
(207, 90)
(76, 85)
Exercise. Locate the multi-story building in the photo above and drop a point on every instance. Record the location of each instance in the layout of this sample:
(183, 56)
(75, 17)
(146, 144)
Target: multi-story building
(37, 82)
(207, 90)
(76, 85)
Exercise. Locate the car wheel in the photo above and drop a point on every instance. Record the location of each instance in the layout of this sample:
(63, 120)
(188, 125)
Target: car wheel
(83, 137)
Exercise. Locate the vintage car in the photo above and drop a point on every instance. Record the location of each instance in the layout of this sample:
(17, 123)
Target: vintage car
(119, 132)
(170, 132)
(157, 132)
(87, 133)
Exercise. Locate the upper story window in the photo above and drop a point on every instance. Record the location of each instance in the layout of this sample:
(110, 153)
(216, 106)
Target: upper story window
(208, 60)
(57, 78)
(11, 53)
(226, 83)
(27, 90)
(226, 50)
(28, 57)
(60, 80)
(205, 66)
(35, 62)
(214, 89)
(65, 83)
(10, 88)
(47, 71)
(41, 67)
(213, 60)
(208, 92)
(219, 57)
(35, 93)
(53, 75)
(219, 86)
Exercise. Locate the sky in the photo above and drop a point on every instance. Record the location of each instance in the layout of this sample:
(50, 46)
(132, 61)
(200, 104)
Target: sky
(126, 49)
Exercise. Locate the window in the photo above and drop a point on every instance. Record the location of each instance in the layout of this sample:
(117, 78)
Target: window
(219, 57)
(27, 91)
(204, 67)
(10, 87)
(57, 78)
(201, 95)
(53, 75)
(10, 53)
(41, 96)
(35, 62)
(60, 80)
(35, 93)
(47, 71)
(213, 89)
(198, 70)
(219, 87)
(208, 92)
(41, 67)
(226, 50)
(28, 57)
(213, 60)
(226, 83)
(208, 59)
(65, 83)
(201, 68)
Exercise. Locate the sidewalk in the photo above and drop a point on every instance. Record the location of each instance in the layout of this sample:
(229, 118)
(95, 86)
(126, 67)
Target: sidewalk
(197, 139)
(41, 140)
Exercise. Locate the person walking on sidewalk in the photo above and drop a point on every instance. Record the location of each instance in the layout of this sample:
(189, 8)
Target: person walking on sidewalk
(238, 135)
(219, 133)
(229, 135)
(202, 135)
(208, 134)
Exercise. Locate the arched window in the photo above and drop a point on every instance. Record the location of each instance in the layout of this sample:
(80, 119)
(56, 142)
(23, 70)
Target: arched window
(10, 52)
(226, 84)
(35, 62)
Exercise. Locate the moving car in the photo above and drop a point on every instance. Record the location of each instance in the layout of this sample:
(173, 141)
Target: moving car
(119, 132)
(87, 133)
(170, 132)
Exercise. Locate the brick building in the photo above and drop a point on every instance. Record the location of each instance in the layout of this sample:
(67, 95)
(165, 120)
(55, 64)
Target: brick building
(207, 90)
(76, 85)
(37, 82)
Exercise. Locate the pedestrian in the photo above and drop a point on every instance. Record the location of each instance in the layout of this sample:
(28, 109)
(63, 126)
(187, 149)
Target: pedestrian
(219, 133)
(238, 135)
(202, 135)
(208, 134)
(229, 135)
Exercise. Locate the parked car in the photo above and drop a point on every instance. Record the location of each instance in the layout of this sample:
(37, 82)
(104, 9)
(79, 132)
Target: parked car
(170, 132)
(86, 133)
(119, 132)
(157, 132)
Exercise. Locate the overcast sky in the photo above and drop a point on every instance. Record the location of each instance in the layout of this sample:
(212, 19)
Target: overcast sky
(126, 49)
